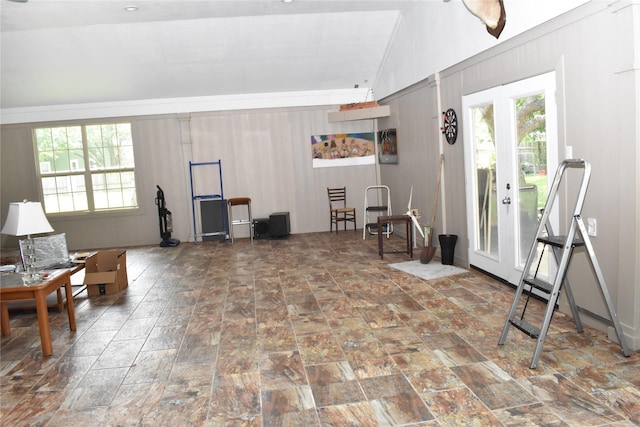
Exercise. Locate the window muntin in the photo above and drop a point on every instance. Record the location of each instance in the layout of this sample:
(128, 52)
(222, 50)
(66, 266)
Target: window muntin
(86, 168)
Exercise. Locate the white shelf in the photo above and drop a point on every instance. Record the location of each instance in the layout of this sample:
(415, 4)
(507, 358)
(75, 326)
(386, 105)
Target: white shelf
(360, 114)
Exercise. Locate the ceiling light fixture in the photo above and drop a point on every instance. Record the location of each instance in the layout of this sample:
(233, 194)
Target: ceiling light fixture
(287, 1)
(131, 8)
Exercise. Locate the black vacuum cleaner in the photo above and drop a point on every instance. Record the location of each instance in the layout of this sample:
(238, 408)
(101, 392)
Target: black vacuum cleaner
(166, 224)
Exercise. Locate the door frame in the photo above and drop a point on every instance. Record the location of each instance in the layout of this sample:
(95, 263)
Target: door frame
(506, 264)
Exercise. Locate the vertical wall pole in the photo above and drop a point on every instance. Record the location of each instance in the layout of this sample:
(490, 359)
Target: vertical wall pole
(186, 150)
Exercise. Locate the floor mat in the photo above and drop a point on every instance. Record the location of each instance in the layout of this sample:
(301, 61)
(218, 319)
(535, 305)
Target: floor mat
(432, 270)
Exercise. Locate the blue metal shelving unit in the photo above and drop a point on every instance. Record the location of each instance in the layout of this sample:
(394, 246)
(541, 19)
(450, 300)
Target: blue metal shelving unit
(197, 197)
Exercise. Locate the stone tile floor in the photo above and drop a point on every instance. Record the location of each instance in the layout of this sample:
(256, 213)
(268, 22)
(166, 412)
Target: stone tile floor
(314, 330)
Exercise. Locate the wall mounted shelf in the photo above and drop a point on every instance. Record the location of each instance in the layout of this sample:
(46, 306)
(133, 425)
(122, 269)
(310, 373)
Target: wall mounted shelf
(360, 114)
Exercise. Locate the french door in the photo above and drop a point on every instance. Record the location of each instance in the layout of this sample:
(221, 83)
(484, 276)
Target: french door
(511, 156)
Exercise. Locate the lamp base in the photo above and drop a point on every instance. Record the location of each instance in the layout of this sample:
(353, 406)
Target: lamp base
(31, 278)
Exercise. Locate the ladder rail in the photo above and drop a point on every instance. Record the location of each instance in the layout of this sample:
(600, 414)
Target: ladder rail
(193, 206)
(582, 194)
(568, 247)
(567, 288)
(586, 177)
(555, 293)
(607, 298)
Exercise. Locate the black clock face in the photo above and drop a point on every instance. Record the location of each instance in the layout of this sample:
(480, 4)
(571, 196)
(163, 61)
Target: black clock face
(450, 126)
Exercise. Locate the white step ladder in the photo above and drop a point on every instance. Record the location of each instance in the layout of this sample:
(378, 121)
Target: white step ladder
(562, 249)
(376, 204)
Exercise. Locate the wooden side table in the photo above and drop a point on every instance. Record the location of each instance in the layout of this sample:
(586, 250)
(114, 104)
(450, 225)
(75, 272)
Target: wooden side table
(395, 218)
(12, 289)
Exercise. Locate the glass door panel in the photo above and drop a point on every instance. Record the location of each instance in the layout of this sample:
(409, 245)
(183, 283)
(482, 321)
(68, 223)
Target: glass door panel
(485, 162)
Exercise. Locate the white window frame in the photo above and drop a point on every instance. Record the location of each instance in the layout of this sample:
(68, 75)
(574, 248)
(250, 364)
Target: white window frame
(83, 185)
(45, 167)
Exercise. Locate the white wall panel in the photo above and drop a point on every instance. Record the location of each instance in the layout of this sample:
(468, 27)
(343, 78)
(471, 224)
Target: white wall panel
(593, 53)
(266, 155)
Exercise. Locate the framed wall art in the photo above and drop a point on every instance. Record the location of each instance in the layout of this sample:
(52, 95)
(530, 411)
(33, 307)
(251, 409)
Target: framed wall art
(347, 149)
(387, 147)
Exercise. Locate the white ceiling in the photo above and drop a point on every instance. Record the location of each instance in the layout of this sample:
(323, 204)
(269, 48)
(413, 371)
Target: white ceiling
(74, 52)
(59, 55)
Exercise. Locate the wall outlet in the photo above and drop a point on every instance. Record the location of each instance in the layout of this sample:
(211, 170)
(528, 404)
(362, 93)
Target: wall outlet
(568, 152)
(592, 227)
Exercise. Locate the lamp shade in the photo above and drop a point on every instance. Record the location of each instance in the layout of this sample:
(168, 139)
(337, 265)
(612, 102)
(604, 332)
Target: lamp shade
(25, 218)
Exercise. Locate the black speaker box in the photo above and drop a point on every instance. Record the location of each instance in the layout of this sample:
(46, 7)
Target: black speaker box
(261, 228)
(279, 225)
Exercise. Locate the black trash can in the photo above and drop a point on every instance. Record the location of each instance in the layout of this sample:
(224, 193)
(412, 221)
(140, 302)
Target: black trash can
(447, 247)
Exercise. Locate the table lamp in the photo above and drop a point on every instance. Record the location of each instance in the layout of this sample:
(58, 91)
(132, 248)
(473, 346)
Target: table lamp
(24, 219)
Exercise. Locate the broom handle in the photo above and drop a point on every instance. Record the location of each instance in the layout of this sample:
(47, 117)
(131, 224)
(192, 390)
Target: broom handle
(435, 200)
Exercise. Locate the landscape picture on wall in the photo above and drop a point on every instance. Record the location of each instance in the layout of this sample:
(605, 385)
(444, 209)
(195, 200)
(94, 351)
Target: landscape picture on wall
(346, 149)
(387, 147)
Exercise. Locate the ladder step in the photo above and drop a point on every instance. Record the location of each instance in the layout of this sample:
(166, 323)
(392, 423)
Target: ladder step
(559, 241)
(377, 208)
(526, 327)
(539, 284)
(372, 227)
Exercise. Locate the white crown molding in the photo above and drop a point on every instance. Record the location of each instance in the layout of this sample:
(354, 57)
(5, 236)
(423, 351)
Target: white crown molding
(181, 105)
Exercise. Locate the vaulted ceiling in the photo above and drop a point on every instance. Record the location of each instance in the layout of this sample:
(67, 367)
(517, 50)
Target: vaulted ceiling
(70, 52)
(56, 52)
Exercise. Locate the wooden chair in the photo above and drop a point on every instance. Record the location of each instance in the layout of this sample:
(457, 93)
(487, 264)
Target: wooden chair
(338, 208)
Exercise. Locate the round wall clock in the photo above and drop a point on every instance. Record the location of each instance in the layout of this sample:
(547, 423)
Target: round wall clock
(450, 126)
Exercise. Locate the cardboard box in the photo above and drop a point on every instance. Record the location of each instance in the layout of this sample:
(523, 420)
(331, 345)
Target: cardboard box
(106, 272)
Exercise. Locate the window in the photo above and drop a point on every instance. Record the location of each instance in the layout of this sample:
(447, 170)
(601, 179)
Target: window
(86, 168)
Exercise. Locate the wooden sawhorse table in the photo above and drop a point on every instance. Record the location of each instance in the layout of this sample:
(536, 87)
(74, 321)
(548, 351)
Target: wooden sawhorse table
(388, 220)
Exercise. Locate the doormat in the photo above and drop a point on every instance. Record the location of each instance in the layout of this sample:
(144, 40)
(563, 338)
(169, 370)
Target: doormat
(430, 271)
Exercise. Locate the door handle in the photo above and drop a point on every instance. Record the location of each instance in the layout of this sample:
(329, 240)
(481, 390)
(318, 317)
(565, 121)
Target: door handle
(506, 201)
